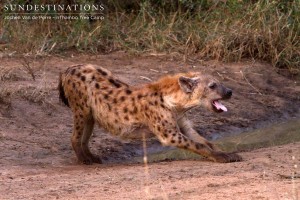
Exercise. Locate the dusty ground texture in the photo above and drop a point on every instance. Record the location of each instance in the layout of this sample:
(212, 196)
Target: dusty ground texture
(37, 162)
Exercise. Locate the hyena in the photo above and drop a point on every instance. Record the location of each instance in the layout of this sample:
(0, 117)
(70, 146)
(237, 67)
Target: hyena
(96, 96)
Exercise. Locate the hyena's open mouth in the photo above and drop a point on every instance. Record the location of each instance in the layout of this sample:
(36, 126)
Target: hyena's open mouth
(218, 106)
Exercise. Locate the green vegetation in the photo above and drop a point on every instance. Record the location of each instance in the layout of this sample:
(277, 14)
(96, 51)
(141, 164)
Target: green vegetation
(203, 29)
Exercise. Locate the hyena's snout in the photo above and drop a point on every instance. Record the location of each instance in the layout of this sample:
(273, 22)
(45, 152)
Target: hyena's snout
(224, 93)
(227, 93)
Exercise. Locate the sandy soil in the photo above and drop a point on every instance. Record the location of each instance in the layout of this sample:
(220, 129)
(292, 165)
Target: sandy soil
(37, 162)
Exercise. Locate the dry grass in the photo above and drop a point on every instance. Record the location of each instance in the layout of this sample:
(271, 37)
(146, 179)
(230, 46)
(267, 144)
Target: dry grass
(28, 87)
(264, 30)
(34, 94)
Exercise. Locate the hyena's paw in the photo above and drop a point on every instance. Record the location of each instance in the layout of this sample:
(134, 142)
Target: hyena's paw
(86, 161)
(96, 159)
(226, 157)
(90, 160)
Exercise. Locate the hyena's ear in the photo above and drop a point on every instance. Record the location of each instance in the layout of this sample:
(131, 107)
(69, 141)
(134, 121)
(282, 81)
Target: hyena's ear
(187, 84)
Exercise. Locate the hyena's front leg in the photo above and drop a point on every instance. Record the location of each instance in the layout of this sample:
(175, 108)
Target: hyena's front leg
(171, 136)
(187, 129)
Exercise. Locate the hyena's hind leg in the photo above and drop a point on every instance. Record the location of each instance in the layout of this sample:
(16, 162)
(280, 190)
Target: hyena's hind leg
(87, 132)
(76, 138)
(82, 131)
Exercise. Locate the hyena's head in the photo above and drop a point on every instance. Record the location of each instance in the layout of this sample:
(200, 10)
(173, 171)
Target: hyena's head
(206, 91)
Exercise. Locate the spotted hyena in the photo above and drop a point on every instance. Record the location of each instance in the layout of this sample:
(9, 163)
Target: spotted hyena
(95, 95)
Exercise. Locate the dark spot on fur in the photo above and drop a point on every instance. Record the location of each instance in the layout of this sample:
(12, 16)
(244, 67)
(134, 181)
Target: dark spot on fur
(210, 145)
(77, 128)
(73, 71)
(166, 135)
(134, 111)
(139, 96)
(125, 110)
(155, 102)
(158, 128)
(109, 107)
(74, 86)
(93, 78)
(173, 141)
(147, 115)
(115, 100)
(78, 74)
(116, 121)
(128, 91)
(146, 107)
(122, 98)
(199, 146)
(162, 105)
(185, 139)
(186, 146)
(115, 83)
(81, 116)
(161, 98)
(106, 96)
(97, 85)
(110, 91)
(83, 78)
(102, 72)
(126, 118)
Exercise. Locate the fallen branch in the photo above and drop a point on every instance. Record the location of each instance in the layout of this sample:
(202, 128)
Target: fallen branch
(250, 83)
(145, 78)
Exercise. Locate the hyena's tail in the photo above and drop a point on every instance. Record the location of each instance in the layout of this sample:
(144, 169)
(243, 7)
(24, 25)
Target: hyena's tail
(62, 95)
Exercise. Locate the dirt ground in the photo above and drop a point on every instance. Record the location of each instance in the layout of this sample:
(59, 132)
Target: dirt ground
(37, 161)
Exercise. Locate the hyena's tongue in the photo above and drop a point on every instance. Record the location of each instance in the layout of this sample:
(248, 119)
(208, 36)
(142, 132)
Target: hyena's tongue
(220, 106)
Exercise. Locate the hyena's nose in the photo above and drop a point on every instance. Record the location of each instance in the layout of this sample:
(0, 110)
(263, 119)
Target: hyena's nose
(228, 93)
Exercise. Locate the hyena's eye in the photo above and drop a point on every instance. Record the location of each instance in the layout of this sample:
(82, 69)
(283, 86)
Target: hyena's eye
(212, 85)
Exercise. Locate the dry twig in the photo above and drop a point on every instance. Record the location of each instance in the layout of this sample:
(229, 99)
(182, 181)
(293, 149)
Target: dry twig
(29, 69)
